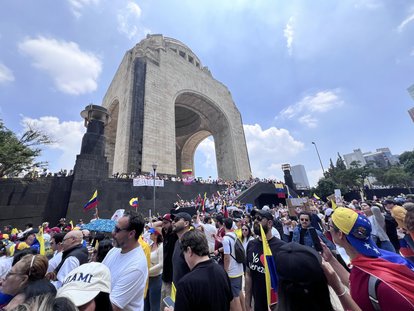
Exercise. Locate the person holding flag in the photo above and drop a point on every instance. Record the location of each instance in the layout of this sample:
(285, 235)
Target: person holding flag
(261, 278)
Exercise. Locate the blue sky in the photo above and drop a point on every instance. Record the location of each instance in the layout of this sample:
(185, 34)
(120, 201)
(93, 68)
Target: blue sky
(333, 72)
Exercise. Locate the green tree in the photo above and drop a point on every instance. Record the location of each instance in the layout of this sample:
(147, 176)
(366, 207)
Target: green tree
(16, 153)
(396, 176)
(407, 161)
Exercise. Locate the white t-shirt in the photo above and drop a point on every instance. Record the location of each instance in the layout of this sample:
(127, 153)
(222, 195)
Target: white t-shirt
(129, 273)
(235, 268)
(5, 266)
(209, 230)
(54, 261)
(275, 233)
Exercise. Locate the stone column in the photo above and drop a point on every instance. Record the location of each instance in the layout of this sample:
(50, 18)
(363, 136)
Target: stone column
(91, 163)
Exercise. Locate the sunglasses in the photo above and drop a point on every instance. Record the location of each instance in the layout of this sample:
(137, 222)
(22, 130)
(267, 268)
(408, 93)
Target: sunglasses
(304, 219)
(117, 229)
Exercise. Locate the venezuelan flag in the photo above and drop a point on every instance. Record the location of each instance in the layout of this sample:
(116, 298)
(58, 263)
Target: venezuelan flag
(133, 202)
(270, 270)
(93, 202)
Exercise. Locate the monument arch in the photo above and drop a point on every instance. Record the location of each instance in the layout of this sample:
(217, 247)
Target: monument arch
(165, 103)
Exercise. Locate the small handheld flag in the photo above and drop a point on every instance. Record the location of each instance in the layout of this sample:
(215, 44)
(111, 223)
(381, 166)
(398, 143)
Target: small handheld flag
(93, 202)
(133, 202)
(334, 206)
(316, 197)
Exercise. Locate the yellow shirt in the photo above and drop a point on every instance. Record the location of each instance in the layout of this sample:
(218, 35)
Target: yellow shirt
(147, 251)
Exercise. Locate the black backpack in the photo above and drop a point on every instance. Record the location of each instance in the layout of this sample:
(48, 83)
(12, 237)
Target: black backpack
(240, 256)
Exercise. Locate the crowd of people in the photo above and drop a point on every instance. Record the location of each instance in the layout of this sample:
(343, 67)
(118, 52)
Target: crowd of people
(322, 256)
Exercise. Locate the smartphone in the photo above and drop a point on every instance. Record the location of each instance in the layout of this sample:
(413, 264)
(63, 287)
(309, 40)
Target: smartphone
(168, 301)
(315, 239)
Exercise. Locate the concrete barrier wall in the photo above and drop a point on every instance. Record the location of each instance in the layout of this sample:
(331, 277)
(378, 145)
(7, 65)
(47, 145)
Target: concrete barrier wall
(47, 199)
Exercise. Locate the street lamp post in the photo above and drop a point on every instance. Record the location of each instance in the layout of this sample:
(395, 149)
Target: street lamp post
(319, 157)
(154, 168)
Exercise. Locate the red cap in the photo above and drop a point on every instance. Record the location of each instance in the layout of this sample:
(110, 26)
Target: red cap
(167, 217)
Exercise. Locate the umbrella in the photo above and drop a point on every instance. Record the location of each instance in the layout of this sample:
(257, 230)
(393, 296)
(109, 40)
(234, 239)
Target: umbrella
(101, 225)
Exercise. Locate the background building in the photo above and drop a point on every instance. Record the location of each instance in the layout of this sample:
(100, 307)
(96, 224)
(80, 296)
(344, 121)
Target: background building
(300, 178)
(382, 157)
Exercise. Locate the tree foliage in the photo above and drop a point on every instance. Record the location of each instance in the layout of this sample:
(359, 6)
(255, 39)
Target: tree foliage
(18, 153)
(339, 177)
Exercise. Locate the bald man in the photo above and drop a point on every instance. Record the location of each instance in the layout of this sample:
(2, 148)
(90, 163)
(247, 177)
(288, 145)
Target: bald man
(74, 254)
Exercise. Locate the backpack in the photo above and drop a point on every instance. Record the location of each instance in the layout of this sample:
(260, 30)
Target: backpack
(240, 256)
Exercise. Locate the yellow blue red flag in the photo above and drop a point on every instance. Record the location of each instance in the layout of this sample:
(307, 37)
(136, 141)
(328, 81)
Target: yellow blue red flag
(270, 270)
(133, 202)
(93, 202)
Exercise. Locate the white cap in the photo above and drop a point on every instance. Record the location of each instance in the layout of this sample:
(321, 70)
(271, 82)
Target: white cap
(85, 282)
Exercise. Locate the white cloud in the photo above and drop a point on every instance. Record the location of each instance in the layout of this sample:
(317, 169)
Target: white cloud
(6, 75)
(307, 110)
(207, 148)
(288, 33)
(314, 176)
(368, 4)
(269, 149)
(405, 22)
(73, 71)
(78, 5)
(67, 136)
(128, 20)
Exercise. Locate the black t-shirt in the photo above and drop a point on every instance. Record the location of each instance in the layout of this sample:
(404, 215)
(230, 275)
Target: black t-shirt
(168, 249)
(180, 267)
(302, 232)
(205, 288)
(257, 270)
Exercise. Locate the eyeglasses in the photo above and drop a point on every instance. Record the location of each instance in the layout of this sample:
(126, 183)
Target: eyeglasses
(304, 219)
(117, 229)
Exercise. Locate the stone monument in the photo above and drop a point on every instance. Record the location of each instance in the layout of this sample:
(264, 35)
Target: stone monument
(163, 103)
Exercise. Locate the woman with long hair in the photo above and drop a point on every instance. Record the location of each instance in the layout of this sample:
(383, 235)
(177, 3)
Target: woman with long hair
(303, 281)
(247, 235)
(153, 299)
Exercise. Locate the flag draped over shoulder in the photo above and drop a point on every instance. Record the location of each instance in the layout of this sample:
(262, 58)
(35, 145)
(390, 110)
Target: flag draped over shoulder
(397, 276)
(270, 270)
(93, 202)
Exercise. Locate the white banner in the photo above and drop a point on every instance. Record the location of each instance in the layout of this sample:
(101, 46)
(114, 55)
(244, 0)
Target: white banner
(141, 182)
(118, 214)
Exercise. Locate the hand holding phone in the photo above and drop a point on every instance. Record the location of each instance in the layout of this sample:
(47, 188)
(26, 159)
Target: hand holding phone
(168, 302)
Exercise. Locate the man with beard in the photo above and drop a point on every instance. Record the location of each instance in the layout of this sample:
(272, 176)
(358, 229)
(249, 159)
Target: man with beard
(166, 228)
(255, 285)
(127, 263)
(181, 224)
